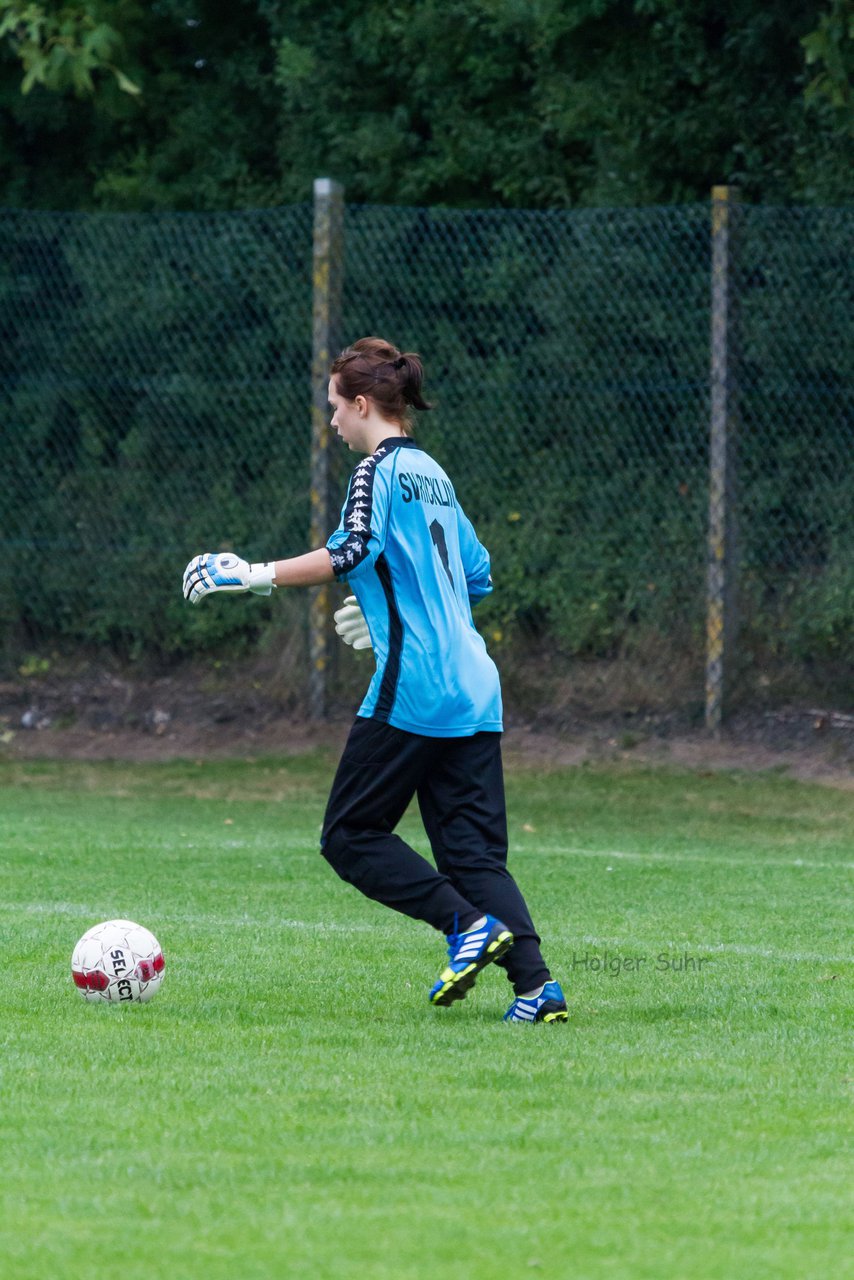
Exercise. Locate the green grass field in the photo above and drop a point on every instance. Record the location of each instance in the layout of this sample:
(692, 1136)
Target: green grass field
(290, 1105)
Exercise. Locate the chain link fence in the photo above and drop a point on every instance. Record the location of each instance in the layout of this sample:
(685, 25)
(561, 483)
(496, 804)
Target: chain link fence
(794, 372)
(570, 356)
(155, 378)
(155, 400)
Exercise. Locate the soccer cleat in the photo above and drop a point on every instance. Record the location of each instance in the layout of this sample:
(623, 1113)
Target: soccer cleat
(469, 953)
(548, 1006)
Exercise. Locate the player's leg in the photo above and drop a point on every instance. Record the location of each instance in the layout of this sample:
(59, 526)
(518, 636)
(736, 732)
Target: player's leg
(463, 808)
(377, 776)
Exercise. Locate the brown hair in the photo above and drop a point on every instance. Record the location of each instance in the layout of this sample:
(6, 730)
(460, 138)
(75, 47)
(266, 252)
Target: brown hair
(375, 369)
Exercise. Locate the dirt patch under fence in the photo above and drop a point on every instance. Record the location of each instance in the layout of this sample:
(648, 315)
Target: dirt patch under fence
(96, 712)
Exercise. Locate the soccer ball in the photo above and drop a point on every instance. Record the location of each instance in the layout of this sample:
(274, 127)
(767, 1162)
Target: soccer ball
(117, 961)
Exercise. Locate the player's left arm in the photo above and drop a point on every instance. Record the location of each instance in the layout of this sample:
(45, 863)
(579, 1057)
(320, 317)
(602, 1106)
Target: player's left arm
(351, 626)
(475, 558)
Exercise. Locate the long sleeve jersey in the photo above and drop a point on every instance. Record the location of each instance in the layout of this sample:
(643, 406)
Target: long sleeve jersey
(413, 561)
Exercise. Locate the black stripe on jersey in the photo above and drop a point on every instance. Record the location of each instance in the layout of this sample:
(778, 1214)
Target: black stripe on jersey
(359, 508)
(391, 675)
(352, 552)
(360, 495)
(357, 516)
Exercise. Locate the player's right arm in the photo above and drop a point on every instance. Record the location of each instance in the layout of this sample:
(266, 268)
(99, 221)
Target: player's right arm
(359, 540)
(310, 570)
(212, 572)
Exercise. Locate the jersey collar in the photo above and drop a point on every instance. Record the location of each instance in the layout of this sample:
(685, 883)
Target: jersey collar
(397, 442)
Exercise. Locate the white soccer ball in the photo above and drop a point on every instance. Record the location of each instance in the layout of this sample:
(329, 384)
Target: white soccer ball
(117, 961)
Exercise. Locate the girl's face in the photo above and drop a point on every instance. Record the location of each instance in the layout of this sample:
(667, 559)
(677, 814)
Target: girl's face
(349, 418)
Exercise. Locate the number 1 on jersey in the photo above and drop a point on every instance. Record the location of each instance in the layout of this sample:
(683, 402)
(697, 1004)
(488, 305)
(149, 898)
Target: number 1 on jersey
(437, 533)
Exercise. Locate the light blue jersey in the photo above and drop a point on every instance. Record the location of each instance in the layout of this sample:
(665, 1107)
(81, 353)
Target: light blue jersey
(413, 561)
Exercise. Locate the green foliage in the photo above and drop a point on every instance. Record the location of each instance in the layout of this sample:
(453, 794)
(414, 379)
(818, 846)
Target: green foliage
(571, 356)
(465, 102)
(545, 104)
(569, 407)
(156, 370)
(150, 386)
(61, 47)
(830, 52)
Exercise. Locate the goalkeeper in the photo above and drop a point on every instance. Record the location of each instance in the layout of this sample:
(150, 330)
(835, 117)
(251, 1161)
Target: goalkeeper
(430, 723)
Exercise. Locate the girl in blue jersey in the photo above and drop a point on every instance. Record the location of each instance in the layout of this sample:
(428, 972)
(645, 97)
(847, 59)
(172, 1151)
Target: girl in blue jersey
(430, 723)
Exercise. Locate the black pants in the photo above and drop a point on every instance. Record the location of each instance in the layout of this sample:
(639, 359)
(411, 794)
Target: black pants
(460, 787)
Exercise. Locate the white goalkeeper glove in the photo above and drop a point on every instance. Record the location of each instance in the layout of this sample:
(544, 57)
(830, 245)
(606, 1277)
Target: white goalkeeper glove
(226, 572)
(351, 626)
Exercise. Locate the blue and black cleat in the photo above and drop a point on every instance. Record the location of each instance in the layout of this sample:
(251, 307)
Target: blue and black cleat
(548, 1006)
(468, 954)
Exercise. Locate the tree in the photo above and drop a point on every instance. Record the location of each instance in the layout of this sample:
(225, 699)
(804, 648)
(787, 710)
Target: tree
(63, 48)
(532, 103)
(545, 103)
(830, 52)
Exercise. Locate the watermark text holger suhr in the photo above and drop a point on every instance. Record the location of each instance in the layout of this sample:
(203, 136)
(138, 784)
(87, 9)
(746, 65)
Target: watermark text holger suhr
(612, 964)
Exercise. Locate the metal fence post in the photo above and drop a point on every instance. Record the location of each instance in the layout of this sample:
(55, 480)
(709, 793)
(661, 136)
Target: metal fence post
(327, 273)
(720, 595)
